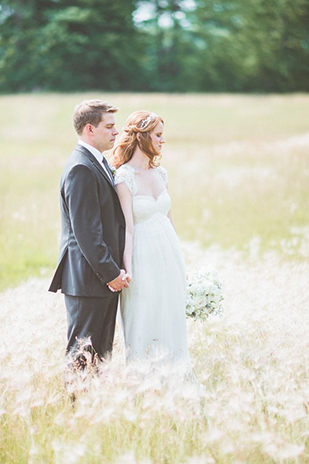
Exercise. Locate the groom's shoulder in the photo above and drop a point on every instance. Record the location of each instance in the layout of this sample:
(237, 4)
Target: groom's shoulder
(77, 157)
(75, 160)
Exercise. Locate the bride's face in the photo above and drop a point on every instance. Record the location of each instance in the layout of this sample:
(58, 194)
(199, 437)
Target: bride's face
(157, 137)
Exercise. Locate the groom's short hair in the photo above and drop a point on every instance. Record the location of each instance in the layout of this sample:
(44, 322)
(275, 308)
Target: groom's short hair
(90, 112)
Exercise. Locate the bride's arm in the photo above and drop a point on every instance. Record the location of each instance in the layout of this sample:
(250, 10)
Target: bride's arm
(169, 214)
(125, 198)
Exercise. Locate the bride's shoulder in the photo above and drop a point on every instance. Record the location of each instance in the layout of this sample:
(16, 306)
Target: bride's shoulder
(162, 173)
(125, 173)
(124, 170)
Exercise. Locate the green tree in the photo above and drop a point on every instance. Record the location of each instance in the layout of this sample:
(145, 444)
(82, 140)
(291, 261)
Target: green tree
(178, 45)
(170, 50)
(66, 45)
(261, 45)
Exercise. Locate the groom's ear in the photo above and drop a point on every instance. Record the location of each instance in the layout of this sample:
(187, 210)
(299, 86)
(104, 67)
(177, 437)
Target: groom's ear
(88, 129)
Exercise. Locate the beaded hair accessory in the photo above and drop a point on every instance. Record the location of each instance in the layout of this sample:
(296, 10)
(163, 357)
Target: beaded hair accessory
(147, 120)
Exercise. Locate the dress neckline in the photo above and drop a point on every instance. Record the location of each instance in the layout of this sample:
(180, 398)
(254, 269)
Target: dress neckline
(151, 196)
(139, 171)
(145, 196)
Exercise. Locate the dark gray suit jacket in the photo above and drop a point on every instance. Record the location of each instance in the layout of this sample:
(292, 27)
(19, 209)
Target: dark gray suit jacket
(93, 229)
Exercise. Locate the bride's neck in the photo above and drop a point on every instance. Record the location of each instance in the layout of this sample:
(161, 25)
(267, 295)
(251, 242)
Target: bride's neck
(139, 160)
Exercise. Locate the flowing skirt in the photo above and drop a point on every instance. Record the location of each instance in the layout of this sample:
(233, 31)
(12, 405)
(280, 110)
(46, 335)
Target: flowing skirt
(153, 307)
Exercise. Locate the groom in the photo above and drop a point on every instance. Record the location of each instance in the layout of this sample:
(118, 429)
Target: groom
(89, 271)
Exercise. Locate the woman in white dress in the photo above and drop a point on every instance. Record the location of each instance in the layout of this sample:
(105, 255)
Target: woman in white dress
(153, 307)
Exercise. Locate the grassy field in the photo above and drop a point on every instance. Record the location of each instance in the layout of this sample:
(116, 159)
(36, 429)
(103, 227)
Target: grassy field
(239, 179)
(238, 169)
(253, 364)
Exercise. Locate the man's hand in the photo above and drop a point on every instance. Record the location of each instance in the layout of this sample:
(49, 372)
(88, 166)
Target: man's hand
(121, 282)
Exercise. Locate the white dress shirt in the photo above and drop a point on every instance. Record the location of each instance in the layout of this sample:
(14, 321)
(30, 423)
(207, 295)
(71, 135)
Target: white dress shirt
(97, 154)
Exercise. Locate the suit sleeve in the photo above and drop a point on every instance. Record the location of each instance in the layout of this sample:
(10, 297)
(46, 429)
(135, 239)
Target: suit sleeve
(81, 197)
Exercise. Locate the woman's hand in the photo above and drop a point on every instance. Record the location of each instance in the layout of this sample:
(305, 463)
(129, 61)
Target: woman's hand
(119, 283)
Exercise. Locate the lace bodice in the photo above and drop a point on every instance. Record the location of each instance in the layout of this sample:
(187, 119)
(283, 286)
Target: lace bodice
(145, 205)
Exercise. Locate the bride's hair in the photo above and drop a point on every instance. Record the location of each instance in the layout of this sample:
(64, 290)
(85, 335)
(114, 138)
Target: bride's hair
(142, 123)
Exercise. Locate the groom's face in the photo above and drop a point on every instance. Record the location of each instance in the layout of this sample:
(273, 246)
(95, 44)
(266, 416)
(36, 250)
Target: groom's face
(104, 135)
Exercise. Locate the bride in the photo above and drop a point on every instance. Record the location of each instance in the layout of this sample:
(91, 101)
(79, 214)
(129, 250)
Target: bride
(153, 307)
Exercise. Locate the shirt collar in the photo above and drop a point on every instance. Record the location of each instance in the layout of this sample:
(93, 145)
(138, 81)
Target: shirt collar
(96, 153)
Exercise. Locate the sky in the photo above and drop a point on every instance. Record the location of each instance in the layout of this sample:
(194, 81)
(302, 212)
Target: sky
(146, 11)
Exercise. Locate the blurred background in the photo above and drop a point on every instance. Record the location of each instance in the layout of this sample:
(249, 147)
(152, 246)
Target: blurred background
(155, 45)
(229, 79)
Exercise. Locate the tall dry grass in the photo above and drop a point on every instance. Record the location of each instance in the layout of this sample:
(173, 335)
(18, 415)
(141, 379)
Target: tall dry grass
(238, 177)
(252, 364)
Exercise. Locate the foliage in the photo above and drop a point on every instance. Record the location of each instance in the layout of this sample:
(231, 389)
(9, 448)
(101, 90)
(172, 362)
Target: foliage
(69, 45)
(162, 45)
(257, 45)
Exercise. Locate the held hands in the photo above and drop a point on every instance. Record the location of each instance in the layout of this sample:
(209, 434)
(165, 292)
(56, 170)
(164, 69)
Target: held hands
(121, 282)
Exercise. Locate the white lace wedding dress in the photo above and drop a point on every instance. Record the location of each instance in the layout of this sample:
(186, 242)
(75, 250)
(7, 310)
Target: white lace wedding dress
(153, 307)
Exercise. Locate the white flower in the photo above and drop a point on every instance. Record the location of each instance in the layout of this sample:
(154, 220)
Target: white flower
(200, 301)
(204, 294)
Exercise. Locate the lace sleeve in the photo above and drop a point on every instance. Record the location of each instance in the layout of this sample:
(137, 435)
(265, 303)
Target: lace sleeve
(163, 174)
(124, 174)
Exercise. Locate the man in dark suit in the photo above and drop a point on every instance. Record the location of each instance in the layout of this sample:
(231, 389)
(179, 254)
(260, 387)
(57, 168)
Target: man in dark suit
(89, 271)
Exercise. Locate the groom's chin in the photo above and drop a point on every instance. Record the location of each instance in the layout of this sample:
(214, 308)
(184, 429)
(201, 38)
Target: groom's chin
(110, 147)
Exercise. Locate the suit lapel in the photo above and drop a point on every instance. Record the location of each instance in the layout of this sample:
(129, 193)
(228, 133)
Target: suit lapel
(96, 164)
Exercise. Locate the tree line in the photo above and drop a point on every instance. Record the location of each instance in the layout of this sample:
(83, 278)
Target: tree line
(155, 45)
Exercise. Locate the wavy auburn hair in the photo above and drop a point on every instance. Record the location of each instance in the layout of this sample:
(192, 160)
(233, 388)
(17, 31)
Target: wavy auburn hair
(140, 122)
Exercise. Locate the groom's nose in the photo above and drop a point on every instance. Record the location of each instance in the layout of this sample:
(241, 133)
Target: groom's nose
(115, 132)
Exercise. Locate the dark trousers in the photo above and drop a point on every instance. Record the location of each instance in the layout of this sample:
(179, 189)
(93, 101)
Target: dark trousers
(93, 318)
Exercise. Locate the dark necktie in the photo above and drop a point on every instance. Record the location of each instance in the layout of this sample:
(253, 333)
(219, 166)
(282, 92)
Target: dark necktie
(108, 170)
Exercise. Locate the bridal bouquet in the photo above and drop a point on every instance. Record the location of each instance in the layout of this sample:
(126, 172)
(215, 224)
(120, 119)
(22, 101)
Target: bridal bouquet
(204, 294)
